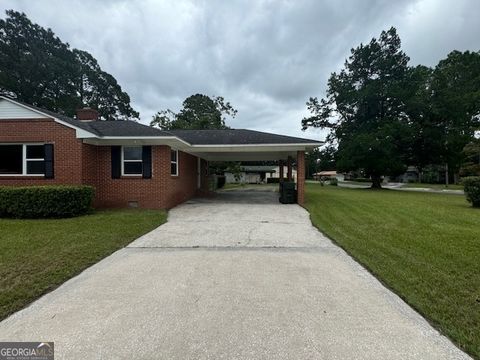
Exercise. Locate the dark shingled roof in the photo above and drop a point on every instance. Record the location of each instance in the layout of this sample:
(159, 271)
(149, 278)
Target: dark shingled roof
(124, 128)
(258, 168)
(237, 137)
(193, 137)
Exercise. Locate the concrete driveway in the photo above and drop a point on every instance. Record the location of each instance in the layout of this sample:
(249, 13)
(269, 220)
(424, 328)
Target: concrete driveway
(235, 277)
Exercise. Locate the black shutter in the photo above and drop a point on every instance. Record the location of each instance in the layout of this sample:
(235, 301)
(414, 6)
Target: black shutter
(49, 173)
(116, 162)
(147, 161)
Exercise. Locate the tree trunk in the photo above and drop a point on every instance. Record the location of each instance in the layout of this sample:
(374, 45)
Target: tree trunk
(376, 182)
(446, 175)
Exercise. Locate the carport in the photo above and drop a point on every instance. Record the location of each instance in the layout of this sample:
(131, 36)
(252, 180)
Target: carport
(249, 145)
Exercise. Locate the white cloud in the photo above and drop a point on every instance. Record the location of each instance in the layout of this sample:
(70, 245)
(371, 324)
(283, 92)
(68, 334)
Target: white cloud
(265, 57)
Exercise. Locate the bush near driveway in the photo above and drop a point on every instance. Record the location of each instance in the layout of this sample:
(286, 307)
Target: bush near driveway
(34, 202)
(472, 189)
(424, 246)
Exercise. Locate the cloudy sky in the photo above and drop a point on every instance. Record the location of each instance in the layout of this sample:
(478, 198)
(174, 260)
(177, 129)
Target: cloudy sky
(266, 57)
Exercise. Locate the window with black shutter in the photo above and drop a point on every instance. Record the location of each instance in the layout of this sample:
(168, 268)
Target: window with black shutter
(24, 159)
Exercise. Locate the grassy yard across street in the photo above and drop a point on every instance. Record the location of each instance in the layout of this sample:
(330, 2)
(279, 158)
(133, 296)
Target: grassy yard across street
(38, 255)
(426, 247)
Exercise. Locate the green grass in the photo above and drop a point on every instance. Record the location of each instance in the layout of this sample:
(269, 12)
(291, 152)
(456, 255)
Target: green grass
(250, 186)
(360, 183)
(36, 256)
(434, 186)
(426, 247)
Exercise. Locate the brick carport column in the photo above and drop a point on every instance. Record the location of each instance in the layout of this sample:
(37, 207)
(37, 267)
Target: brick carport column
(300, 177)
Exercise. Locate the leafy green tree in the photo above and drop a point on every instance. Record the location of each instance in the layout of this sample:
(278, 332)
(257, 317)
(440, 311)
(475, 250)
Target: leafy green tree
(34, 63)
(456, 103)
(198, 112)
(425, 131)
(100, 90)
(236, 169)
(320, 160)
(471, 166)
(365, 109)
(38, 68)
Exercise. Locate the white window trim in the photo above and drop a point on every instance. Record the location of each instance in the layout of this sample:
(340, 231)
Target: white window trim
(24, 160)
(174, 162)
(123, 162)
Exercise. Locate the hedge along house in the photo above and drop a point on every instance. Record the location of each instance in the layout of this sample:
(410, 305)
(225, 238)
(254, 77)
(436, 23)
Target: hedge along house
(128, 163)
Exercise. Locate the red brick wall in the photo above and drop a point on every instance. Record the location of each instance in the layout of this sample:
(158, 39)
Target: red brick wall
(301, 177)
(161, 191)
(78, 163)
(67, 149)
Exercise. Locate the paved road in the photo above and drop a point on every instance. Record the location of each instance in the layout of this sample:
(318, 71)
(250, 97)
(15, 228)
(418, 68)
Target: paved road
(401, 187)
(229, 279)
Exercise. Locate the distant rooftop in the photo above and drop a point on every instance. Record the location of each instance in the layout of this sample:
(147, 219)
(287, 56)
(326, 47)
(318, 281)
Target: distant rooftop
(259, 168)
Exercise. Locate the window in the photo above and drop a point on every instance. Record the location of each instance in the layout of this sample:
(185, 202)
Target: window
(132, 160)
(35, 159)
(174, 162)
(11, 159)
(22, 159)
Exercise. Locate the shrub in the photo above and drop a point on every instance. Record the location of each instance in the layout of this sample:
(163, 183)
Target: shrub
(472, 189)
(333, 181)
(45, 201)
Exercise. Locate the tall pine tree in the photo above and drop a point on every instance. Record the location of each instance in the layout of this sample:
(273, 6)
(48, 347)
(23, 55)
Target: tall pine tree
(38, 68)
(365, 109)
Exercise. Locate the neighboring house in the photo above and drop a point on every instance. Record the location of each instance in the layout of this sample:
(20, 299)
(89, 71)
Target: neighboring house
(411, 175)
(433, 174)
(250, 174)
(277, 171)
(128, 163)
(328, 174)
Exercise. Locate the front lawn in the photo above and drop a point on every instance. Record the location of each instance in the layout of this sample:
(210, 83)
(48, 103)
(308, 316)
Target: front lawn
(426, 247)
(38, 255)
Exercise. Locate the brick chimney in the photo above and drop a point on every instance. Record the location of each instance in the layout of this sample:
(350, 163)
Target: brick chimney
(87, 114)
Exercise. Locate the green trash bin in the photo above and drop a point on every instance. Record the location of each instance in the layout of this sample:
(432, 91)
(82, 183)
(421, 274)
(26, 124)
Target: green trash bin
(288, 194)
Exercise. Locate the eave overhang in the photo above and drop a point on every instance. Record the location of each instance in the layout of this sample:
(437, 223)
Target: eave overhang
(211, 152)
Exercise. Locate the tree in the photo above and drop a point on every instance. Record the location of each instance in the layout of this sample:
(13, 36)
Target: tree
(100, 90)
(471, 167)
(320, 160)
(38, 68)
(424, 131)
(236, 169)
(456, 103)
(198, 112)
(365, 109)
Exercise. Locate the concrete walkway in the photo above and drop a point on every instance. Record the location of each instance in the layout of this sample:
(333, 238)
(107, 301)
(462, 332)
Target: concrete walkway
(239, 276)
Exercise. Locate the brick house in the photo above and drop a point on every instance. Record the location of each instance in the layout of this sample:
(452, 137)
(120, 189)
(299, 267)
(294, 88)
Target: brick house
(128, 163)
